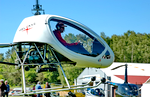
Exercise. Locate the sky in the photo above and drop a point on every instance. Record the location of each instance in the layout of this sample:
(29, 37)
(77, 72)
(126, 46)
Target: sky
(108, 16)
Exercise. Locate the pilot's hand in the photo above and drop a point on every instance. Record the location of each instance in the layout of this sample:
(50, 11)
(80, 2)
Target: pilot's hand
(79, 42)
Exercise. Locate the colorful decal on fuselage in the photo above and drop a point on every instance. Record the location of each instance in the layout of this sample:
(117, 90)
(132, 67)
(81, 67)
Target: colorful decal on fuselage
(28, 27)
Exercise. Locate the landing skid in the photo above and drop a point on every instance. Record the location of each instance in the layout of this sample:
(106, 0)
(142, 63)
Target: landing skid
(65, 88)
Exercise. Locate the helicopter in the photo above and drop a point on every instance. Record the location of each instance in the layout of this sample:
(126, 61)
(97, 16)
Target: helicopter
(36, 45)
(125, 89)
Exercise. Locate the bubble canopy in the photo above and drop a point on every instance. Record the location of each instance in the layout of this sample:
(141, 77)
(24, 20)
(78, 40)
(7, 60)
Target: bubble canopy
(77, 32)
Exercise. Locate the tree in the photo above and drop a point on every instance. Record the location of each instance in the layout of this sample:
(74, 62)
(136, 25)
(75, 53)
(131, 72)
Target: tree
(1, 56)
(72, 73)
(40, 77)
(31, 76)
(70, 38)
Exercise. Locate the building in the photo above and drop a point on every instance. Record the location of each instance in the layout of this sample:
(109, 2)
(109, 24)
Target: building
(145, 89)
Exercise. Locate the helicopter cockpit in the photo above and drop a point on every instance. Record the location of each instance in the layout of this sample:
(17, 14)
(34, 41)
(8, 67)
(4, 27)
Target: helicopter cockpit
(37, 32)
(88, 45)
(129, 89)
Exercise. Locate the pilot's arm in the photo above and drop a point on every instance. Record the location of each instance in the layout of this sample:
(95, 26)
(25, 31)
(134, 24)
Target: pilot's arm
(58, 36)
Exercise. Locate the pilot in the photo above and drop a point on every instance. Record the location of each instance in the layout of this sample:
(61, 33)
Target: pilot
(76, 47)
(60, 27)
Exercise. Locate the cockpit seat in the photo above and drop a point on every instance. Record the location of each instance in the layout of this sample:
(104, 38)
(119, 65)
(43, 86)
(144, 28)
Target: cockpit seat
(78, 49)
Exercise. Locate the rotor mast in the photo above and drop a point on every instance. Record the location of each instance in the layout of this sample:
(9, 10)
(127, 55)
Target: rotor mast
(126, 72)
(126, 75)
(37, 8)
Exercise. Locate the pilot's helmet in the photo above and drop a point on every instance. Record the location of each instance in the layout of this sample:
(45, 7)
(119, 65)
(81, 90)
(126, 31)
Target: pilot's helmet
(60, 24)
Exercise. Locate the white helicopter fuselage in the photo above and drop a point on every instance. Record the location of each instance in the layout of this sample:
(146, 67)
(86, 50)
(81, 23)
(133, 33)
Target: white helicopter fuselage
(37, 29)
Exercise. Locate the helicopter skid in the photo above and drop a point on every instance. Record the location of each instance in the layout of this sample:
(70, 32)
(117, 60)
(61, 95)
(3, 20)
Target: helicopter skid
(65, 88)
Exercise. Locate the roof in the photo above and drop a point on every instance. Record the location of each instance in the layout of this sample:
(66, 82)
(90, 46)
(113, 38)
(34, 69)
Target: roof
(135, 79)
(148, 81)
(137, 69)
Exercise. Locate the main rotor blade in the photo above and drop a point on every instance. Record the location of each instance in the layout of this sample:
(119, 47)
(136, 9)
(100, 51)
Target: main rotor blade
(117, 67)
(7, 63)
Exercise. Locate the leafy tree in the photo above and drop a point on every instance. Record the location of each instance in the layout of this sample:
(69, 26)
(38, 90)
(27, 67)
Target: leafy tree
(31, 76)
(72, 73)
(1, 56)
(40, 77)
(70, 38)
(51, 77)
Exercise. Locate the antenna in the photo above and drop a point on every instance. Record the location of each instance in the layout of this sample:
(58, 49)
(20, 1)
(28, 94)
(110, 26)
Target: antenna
(37, 8)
